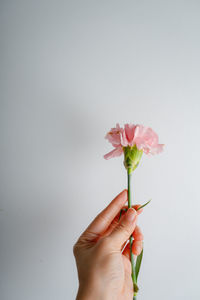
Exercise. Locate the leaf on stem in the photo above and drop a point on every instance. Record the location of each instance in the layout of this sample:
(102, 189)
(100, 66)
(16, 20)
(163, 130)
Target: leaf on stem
(144, 205)
(138, 264)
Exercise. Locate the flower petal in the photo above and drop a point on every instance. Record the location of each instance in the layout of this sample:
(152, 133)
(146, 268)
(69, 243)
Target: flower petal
(114, 153)
(114, 136)
(130, 133)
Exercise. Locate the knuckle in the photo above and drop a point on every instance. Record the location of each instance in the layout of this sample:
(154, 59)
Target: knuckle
(124, 229)
(103, 219)
(75, 249)
(105, 242)
(141, 237)
(138, 231)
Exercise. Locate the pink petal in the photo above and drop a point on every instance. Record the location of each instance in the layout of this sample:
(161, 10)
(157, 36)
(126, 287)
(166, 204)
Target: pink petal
(114, 136)
(124, 141)
(147, 140)
(157, 149)
(114, 153)
(127, 135)
(130, 133)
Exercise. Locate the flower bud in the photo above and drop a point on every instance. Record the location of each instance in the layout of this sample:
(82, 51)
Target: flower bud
(132, 157)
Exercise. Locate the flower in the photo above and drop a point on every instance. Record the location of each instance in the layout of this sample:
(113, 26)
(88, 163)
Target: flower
(132, 140)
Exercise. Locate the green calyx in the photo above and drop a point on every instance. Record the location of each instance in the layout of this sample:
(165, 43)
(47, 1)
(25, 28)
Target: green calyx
(136, 288)
(132, 157)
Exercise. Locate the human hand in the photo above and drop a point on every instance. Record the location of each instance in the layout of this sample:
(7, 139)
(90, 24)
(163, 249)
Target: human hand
(102, 256)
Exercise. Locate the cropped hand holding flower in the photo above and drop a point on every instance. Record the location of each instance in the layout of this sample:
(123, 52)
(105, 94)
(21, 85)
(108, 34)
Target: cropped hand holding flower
(103, 263)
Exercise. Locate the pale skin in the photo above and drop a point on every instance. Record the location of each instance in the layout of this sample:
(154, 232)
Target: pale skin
(102, 256)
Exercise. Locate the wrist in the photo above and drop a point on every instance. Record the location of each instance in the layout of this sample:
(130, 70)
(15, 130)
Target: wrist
(87, 292)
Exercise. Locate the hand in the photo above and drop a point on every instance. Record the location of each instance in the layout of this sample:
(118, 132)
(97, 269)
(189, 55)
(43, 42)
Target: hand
(102, 255)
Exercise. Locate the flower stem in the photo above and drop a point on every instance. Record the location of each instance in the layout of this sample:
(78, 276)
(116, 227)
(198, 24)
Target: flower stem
(129, 172)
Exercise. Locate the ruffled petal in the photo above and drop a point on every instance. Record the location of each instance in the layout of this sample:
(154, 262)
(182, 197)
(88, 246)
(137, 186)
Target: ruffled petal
(114, 153)
(130, 133)
(114, 136)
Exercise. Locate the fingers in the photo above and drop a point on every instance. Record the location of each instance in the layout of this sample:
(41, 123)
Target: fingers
(136, 208)
(136, 249)
(104, 219)
(137, 234)
(116, 220)
(124, 229)
(137, 243)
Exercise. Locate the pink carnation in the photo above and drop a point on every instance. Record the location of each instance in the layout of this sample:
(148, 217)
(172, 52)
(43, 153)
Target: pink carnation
(144, 138)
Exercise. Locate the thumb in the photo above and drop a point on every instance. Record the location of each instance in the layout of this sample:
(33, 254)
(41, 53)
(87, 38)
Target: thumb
(124, 229)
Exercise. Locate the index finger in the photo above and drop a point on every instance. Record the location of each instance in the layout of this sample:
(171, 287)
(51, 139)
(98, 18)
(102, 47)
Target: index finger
(103, 220)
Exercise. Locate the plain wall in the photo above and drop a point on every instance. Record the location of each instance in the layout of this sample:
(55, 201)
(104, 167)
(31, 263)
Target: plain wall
(70, 70)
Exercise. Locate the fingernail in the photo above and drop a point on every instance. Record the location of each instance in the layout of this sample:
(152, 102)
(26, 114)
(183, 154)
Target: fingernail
(131, 214)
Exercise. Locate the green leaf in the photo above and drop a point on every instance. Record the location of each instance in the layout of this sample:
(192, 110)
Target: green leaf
(138, 264)
(144, 205)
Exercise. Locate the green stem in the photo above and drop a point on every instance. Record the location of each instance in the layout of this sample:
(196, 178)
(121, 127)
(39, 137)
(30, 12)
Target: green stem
(131, 238)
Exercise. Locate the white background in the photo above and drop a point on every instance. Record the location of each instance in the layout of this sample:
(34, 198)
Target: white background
(69, 71)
